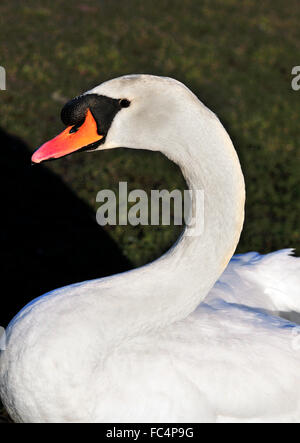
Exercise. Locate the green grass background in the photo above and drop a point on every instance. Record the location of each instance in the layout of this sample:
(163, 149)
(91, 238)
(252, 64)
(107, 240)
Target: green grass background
(236, 56)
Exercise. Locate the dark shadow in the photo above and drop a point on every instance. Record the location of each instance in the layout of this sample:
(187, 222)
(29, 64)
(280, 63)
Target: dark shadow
(49, 237)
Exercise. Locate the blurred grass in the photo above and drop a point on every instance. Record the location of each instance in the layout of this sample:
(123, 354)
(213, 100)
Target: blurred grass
(236, 56)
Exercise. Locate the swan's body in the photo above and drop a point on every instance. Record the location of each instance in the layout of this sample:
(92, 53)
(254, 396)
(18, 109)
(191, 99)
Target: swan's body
(145, 345)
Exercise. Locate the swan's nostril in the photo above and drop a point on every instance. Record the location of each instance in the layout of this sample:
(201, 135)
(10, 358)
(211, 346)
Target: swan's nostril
(75, 128)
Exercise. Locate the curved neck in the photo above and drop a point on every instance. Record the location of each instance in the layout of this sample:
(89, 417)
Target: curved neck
(171, 287)
(209, 163)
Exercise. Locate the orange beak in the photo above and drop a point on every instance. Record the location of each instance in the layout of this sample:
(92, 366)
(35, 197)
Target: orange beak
(69, 141)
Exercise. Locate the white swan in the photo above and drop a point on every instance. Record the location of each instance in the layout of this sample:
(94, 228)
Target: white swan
(140, 346)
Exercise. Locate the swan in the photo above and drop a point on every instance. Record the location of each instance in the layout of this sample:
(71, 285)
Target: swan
(195, 336)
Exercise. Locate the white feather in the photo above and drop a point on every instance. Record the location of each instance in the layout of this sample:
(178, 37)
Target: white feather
(165, 343)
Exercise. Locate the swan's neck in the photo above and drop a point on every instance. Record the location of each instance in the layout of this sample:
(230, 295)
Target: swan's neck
(183, 277)
(171, 287)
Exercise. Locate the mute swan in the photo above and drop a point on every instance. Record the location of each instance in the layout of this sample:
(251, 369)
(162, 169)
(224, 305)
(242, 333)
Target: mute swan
(162, 343)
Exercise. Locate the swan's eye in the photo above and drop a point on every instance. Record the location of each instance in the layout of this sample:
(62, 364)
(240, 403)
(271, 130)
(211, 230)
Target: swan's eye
(124, 103)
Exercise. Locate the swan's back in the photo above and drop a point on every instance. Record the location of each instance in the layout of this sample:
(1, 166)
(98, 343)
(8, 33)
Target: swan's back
(270, 282)
(231, 360)
(225, 362)
(235, 348)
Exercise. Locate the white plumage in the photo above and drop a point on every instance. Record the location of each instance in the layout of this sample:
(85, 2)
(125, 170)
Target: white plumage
(165, 342)
(270, 282)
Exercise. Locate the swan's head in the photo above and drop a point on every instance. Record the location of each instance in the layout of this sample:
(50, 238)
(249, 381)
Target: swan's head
(135, 111)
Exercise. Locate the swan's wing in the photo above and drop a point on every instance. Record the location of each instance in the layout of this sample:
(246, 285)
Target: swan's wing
(227, 361)
(224, 362)
(245, 361)
(270, 282)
